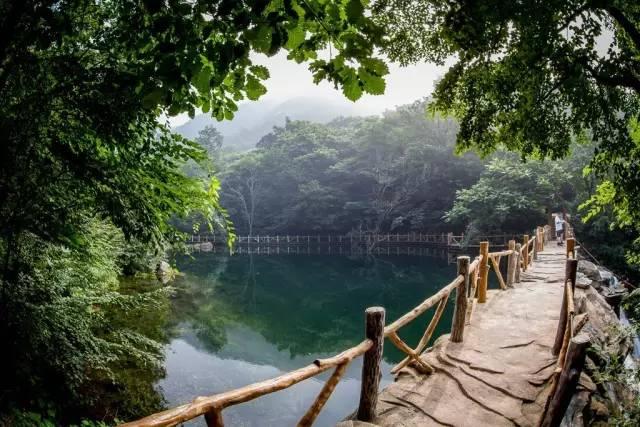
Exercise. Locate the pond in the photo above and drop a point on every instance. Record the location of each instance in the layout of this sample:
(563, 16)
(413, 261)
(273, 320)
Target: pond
(245, 318)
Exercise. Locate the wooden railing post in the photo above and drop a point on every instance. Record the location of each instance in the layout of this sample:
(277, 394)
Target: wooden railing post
(571, 268)
(518, 264)
(511, 265)
(525, 252)
(571, 247)
(540, 239)
(567, 381)
(214, 418)
(535, 249)
(460, 310)
(374, 330)
(484, 272)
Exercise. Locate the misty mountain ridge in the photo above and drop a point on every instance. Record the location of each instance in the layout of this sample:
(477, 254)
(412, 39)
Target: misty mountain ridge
(255, 119)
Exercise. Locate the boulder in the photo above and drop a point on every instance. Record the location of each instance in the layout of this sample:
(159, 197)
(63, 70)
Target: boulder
(589, 269)
(582, 281)
(164, 272)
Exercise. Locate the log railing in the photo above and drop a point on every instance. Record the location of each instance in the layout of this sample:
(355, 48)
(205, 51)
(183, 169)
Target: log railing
(470, 286)
(570, 347)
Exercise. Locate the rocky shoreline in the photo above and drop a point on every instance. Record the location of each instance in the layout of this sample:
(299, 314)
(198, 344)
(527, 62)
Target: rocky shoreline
(606, 390)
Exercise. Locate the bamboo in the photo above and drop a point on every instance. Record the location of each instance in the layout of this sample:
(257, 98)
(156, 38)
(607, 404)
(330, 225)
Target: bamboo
(424, 306)
(202, 405)
(460, 310)
(374, 331)
(313, 412)
(426, 336)
(484, 272)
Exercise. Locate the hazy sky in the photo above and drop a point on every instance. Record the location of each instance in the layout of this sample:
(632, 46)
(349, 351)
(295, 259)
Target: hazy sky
(289, 80)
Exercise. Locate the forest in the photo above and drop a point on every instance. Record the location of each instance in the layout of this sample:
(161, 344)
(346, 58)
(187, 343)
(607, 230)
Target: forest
(537, 112)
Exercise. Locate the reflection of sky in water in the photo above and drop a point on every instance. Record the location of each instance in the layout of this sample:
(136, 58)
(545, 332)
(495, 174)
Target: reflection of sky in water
(193, 372)
(244, 319)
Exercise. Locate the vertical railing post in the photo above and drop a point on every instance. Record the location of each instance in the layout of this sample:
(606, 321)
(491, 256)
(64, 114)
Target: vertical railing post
(374, 330)
(484, 272)
(511, 264)
(460, 310)
(518, 263)
(535, 249)
(214, 418)
(525, 252)
(571, 247)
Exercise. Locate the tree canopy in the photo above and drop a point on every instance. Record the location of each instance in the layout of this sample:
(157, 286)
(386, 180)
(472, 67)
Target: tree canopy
(533, 76)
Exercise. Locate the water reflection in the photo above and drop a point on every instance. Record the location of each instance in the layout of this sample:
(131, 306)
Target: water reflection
(245, 318)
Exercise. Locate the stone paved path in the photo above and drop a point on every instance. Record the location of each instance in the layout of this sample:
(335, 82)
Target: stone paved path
(498, 375)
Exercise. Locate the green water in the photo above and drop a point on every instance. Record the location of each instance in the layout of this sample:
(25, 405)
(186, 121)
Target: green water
(245, 318)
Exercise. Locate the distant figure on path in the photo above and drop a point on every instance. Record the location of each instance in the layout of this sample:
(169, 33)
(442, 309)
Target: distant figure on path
(559, 230)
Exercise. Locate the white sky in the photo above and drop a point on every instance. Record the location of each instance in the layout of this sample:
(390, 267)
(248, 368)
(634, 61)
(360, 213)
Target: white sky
(289, 80)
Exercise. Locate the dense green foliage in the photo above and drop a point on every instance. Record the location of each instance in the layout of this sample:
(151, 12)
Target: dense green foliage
(378, 174)
(91, 178)
(531, 77)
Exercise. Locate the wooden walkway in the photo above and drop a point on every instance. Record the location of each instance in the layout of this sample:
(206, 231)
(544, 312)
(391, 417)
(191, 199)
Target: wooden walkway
(499, 374)
(514, 355)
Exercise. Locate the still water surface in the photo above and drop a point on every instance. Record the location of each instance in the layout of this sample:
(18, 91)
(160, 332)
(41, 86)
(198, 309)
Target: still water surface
(246, 318)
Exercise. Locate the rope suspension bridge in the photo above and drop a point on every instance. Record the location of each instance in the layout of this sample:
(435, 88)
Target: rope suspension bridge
(507, 361)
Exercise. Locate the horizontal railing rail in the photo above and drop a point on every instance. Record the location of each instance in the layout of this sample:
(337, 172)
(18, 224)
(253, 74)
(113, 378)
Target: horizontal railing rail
(470, 287)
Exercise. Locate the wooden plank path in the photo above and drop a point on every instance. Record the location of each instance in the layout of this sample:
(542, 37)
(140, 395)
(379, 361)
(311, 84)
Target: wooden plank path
(499, 374)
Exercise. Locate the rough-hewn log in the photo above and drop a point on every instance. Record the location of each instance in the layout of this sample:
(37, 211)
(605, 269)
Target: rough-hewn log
(535, 248)
(214, 418)
(571, 247)
(313, 411)
(424, 306)
(202, 405)
(374, 331)
(525, 252)
(496, 268)
(567, 381)
(511, 266)
(518, 262)
(460, 310)
(426, 336)
(484, 272)
(500, 253)
(422, 366)
(570, 278)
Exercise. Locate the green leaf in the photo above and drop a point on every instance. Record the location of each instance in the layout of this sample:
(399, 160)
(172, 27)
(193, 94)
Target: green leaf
(372, 84)
(355, 10)
(260, 71)
(295, 37)
(153, 98)
(352, 90)
(202, 79)
(261, 40)
(254, 88)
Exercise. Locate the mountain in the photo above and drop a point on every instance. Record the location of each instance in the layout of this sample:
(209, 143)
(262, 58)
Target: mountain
(255, 119)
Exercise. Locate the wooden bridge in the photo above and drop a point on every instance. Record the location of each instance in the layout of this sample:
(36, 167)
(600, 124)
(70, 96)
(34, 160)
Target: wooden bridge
(379, 239)
(513, 357)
